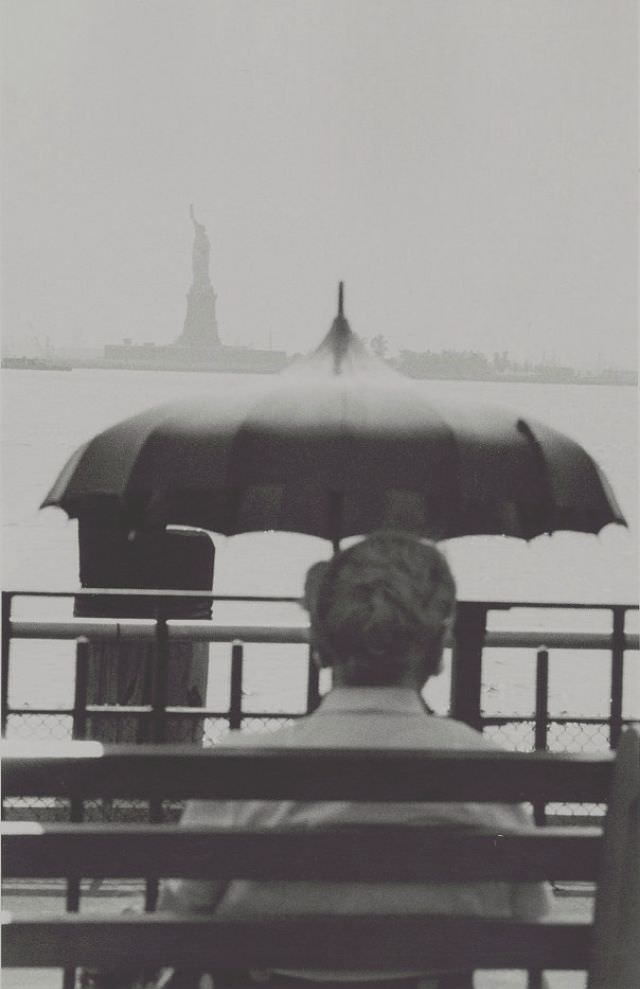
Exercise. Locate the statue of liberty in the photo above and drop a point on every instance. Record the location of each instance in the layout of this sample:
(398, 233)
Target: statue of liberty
(200, 325)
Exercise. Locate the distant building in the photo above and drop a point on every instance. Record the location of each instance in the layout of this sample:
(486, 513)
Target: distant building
(148, 357)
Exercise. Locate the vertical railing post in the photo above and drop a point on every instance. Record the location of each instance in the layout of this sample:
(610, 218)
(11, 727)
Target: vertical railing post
(158, 727)
(7, 600)
(542, 699)
(235, 697)
(73, 892)
(541, 716)
(79, 729)
(313, 683)
(535, 979)
(534, 976)
(617, 673)
(466, 666)
(160, 679)
(151, 887)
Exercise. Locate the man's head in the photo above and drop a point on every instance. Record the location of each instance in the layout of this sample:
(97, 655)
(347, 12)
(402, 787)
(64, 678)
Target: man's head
(379, 610)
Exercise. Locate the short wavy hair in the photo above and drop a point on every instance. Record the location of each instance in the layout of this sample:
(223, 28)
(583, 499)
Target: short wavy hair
(375, 602)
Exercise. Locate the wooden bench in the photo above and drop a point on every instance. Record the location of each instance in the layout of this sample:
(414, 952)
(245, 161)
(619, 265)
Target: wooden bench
(608, 949)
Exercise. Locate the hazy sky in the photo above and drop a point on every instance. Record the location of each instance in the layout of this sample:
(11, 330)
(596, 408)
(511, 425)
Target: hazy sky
(468, 167)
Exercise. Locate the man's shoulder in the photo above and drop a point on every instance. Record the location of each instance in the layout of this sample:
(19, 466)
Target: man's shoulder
(450, 733)
(260, 739)
(432, 731)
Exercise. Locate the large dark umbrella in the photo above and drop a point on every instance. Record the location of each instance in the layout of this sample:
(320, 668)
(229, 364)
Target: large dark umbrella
(338, 445)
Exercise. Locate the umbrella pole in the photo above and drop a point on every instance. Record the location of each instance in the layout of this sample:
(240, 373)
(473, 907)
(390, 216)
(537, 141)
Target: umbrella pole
(334, 516)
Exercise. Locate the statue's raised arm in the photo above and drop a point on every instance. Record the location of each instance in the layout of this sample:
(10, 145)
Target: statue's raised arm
(201, 249)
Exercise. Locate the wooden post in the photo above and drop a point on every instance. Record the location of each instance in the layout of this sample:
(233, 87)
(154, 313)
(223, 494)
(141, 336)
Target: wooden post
(235, 696)
(7, 599)
(313, 683)
(617, 673)
(615, 962)
(466, 667)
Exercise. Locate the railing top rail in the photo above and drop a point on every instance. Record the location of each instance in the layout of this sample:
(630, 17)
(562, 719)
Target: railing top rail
(151, 593)
(121, 629)
(283, 599)
(206, 630)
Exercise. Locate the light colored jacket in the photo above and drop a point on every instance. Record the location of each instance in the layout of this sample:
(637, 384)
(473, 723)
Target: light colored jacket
(368, 718)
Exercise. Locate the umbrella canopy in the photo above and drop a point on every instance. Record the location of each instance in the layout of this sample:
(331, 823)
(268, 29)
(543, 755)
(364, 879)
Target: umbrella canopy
(339, 445)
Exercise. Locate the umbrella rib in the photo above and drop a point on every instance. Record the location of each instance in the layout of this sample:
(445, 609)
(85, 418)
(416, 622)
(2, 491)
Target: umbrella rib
(608, 492)
(453, 440)
(145, 442)
(547, 500)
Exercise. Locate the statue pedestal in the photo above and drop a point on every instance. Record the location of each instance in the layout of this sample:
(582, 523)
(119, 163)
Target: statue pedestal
(200, 325)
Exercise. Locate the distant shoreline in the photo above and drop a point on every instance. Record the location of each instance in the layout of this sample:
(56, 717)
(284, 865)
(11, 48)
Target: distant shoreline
(102, 364)
(534, 379)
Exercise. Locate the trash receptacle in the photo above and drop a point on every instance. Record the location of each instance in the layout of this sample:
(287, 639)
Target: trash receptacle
(122, 672)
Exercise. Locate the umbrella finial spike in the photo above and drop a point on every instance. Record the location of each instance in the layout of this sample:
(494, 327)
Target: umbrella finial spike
(340, 298)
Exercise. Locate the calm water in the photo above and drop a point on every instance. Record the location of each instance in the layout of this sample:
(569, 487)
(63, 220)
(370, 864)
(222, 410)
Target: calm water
(46, 415)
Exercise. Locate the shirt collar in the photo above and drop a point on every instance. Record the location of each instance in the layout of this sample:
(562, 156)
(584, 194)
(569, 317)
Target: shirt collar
(396, 700)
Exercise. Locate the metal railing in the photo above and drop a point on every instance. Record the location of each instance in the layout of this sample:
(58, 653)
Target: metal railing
(472, 637)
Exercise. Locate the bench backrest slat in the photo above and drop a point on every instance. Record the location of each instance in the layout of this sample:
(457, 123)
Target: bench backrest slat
(90, 770)
(433, 854)
(335, 942)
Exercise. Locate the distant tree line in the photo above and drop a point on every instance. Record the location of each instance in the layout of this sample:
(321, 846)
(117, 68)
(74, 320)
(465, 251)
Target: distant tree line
(477, 366)
(472, 364)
